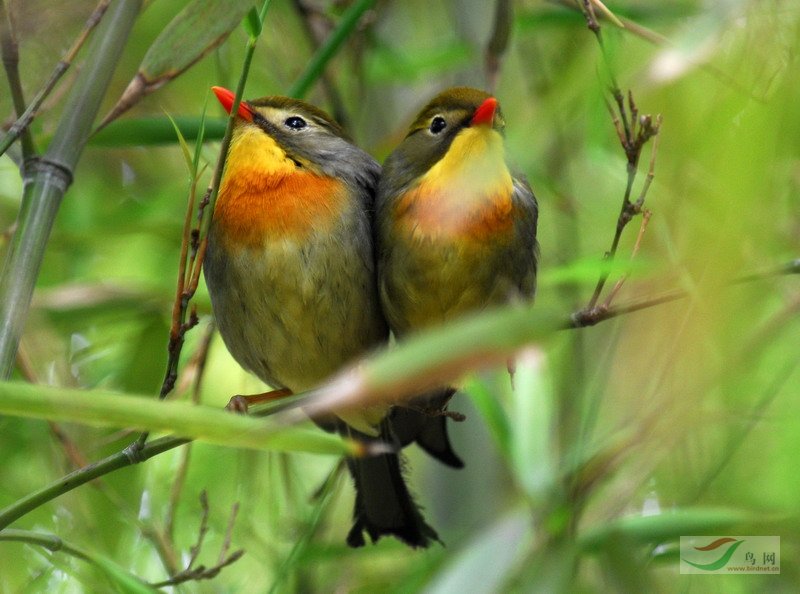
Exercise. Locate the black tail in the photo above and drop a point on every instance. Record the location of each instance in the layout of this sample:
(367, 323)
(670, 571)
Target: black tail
(383, 504)
(423, 421)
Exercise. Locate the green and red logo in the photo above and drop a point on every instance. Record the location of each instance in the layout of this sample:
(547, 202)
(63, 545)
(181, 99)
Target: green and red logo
(730, 554)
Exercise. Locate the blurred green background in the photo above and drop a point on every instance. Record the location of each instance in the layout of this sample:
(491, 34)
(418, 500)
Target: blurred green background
(681, 419)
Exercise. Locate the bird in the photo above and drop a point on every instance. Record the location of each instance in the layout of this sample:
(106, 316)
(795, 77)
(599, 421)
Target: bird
(290, 270)
(455, 229)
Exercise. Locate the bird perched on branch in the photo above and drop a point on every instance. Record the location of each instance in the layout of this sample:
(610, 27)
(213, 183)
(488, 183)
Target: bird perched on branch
(290, 271)
(456, 231)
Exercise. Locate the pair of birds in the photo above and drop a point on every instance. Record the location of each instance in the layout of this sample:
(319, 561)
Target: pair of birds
(315, 253)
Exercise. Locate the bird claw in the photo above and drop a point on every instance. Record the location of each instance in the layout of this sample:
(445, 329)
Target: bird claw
(437, 412)
(454, 416)
(238, 404)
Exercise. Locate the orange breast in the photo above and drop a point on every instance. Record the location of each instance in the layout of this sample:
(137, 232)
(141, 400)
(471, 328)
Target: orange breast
(437, 212)
(253, 207)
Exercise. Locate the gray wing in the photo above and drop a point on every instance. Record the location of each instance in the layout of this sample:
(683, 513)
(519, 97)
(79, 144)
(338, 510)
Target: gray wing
(526, 260)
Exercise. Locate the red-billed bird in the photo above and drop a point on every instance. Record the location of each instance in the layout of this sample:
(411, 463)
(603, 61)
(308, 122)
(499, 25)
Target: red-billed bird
(456, 231)
(291, 275)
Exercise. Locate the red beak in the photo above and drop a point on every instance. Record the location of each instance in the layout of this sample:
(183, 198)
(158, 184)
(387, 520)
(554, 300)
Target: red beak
(484, 115)
(226, 98)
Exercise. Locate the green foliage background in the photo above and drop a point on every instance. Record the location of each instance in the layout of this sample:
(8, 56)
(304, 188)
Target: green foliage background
(680, 419)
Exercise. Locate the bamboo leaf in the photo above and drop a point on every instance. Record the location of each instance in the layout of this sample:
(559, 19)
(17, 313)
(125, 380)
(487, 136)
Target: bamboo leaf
(485, 564)
(492, 412)
(533, 425)
(657, 528)
(118, 575)
(201, 134)
(587, 270)
(327, 50)
(252, 23)
(199, 28)
(187, 155)
(108, 409)
(157, 130)
(121, 578)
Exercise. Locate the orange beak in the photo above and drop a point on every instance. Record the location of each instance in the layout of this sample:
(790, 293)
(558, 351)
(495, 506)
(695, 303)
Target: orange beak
(226, 98)
(484, 115)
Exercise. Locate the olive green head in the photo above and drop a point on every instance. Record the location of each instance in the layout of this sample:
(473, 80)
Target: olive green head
(434, 129)
(307, 135)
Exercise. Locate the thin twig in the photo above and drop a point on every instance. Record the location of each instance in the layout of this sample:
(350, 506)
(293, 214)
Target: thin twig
(201, 572)
(10, 51)
(226, 544)
(63, 65)
(660, 40)
(198, 363)
(498, 42)
(642, 228)
(194, 552)
(633, 131)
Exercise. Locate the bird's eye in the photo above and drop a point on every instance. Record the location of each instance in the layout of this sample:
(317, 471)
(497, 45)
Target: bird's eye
(295, 123)
(437, 125)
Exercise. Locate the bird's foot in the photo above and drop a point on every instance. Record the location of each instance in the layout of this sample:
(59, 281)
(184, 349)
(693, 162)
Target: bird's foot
(438, 412)
(240, 403)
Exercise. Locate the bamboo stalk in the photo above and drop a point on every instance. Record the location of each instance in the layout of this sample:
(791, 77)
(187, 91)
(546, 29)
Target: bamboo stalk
(51, 175)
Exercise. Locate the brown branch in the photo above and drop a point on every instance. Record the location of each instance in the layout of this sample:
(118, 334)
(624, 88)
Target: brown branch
(226, 544)
(589, 317)
(498, 42)
(587, 9)
(193, 249)
(26, 118)
(194, 552)
(201, 572)
(10, 52)
(633, 131)
(194, 371)
(642, 228)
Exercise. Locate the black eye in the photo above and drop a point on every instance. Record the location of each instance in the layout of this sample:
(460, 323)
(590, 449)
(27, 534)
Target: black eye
(295, 123)
(437, 125)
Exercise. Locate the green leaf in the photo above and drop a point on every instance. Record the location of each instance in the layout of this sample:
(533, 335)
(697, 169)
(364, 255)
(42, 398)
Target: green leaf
(108, 409)
(485, 564)
(187, 155)
(198, 145)
(252, 23)
(196, 30)
(158, 130)
(120, 577)
(533, 425)
(657, 528)
(327, 50)
(488, 404)
(589, 269)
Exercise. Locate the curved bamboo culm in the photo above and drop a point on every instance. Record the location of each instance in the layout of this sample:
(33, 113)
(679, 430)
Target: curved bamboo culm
(49, 178)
